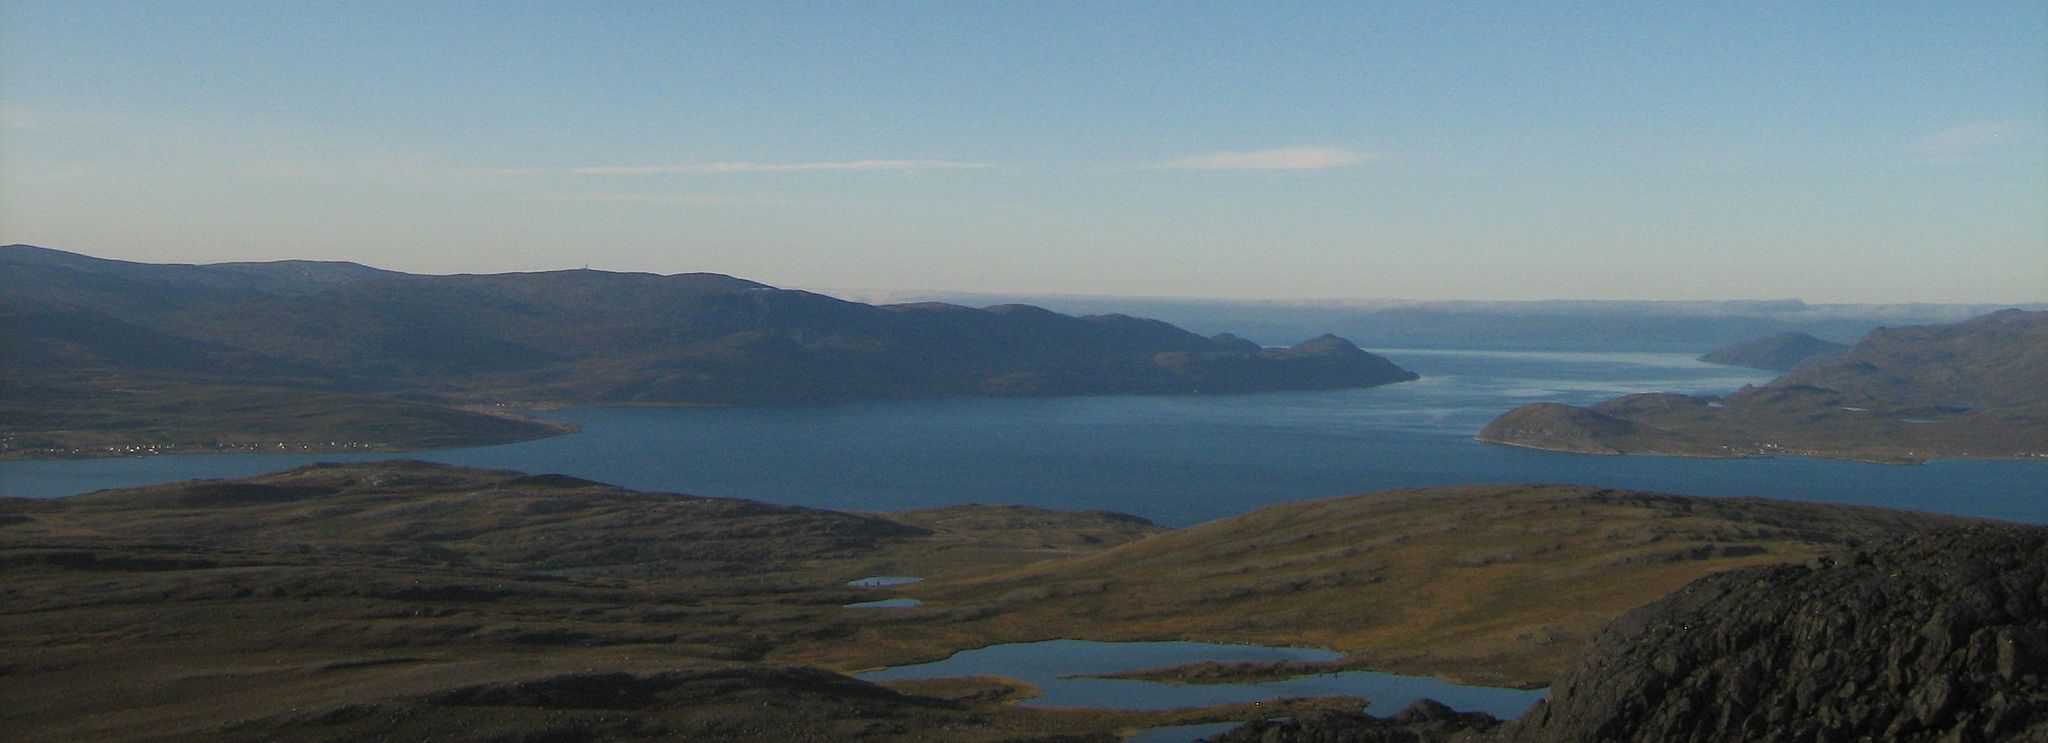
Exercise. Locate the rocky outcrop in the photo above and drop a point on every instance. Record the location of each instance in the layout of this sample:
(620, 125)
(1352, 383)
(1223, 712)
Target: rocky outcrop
(1937, 637)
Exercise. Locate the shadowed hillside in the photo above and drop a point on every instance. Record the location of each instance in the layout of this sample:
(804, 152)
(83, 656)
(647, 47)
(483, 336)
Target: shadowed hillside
(81, 327)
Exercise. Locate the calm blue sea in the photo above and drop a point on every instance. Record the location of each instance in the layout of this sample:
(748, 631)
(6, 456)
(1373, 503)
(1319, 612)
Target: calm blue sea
(1176, 460)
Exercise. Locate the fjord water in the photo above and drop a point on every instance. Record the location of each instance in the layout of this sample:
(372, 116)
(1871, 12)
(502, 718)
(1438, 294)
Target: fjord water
(1176, 460)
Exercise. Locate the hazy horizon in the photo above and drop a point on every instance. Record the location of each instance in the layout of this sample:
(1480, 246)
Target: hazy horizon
(891, 295)
(1875, 154)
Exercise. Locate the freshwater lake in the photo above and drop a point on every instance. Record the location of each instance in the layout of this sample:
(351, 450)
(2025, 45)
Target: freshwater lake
(1175, 460)
(1061, 669)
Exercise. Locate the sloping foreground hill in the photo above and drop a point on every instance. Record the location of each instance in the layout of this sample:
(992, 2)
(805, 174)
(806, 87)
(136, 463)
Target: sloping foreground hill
(1931, 637)
(415, 601)
(410, 601)
(1779, 352)
(1972, 389)
(88, 325)
(1496, 585)
(1935, 637)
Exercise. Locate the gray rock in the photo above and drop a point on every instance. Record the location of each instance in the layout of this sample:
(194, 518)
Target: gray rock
(1938, 637)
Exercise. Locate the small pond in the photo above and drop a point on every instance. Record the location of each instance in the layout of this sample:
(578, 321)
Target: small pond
(887, 604)
(1052, 665)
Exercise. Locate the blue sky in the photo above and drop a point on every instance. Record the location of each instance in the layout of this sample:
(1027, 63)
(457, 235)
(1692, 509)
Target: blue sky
(1864, 152)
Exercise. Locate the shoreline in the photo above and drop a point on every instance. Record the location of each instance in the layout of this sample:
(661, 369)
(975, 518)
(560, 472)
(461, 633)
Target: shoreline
(145, 451)
(1781, 454)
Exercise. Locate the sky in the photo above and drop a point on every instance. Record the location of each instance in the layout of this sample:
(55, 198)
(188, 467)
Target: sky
(1834, 152)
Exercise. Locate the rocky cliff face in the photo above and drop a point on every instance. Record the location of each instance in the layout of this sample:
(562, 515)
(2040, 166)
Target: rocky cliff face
(1939, 637)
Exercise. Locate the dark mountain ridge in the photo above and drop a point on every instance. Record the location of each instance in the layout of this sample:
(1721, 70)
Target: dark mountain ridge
(584, 336)
(1533, 325)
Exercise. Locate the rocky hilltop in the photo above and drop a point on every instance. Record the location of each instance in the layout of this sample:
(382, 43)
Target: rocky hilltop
(86, 330)
(1940, 636)
(1779, 352)
(1972, 389)
(1935, 637)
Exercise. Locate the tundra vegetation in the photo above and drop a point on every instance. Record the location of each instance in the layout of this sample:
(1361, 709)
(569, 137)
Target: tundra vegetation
(348, 602)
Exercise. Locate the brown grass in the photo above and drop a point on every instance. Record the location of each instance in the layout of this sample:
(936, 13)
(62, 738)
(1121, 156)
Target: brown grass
(1490, 585)
(336, 603)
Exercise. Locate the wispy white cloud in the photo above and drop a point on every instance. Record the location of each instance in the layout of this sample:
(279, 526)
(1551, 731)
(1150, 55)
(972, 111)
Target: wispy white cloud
(824, 166)
(1967, 141)
(680, 199)
(1283, 158)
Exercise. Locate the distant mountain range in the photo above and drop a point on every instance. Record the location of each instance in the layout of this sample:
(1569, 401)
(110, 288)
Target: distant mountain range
(1598, 325)
(1972, 389)
(588, 337)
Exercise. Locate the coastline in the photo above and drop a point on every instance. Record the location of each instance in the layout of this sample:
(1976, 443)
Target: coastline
(1779, 454)
(145, 450)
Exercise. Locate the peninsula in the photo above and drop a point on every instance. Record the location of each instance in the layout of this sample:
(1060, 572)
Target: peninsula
(1975, 389)
(1779, 352)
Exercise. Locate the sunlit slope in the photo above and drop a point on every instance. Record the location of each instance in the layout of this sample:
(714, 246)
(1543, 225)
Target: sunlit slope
(1496, 584)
